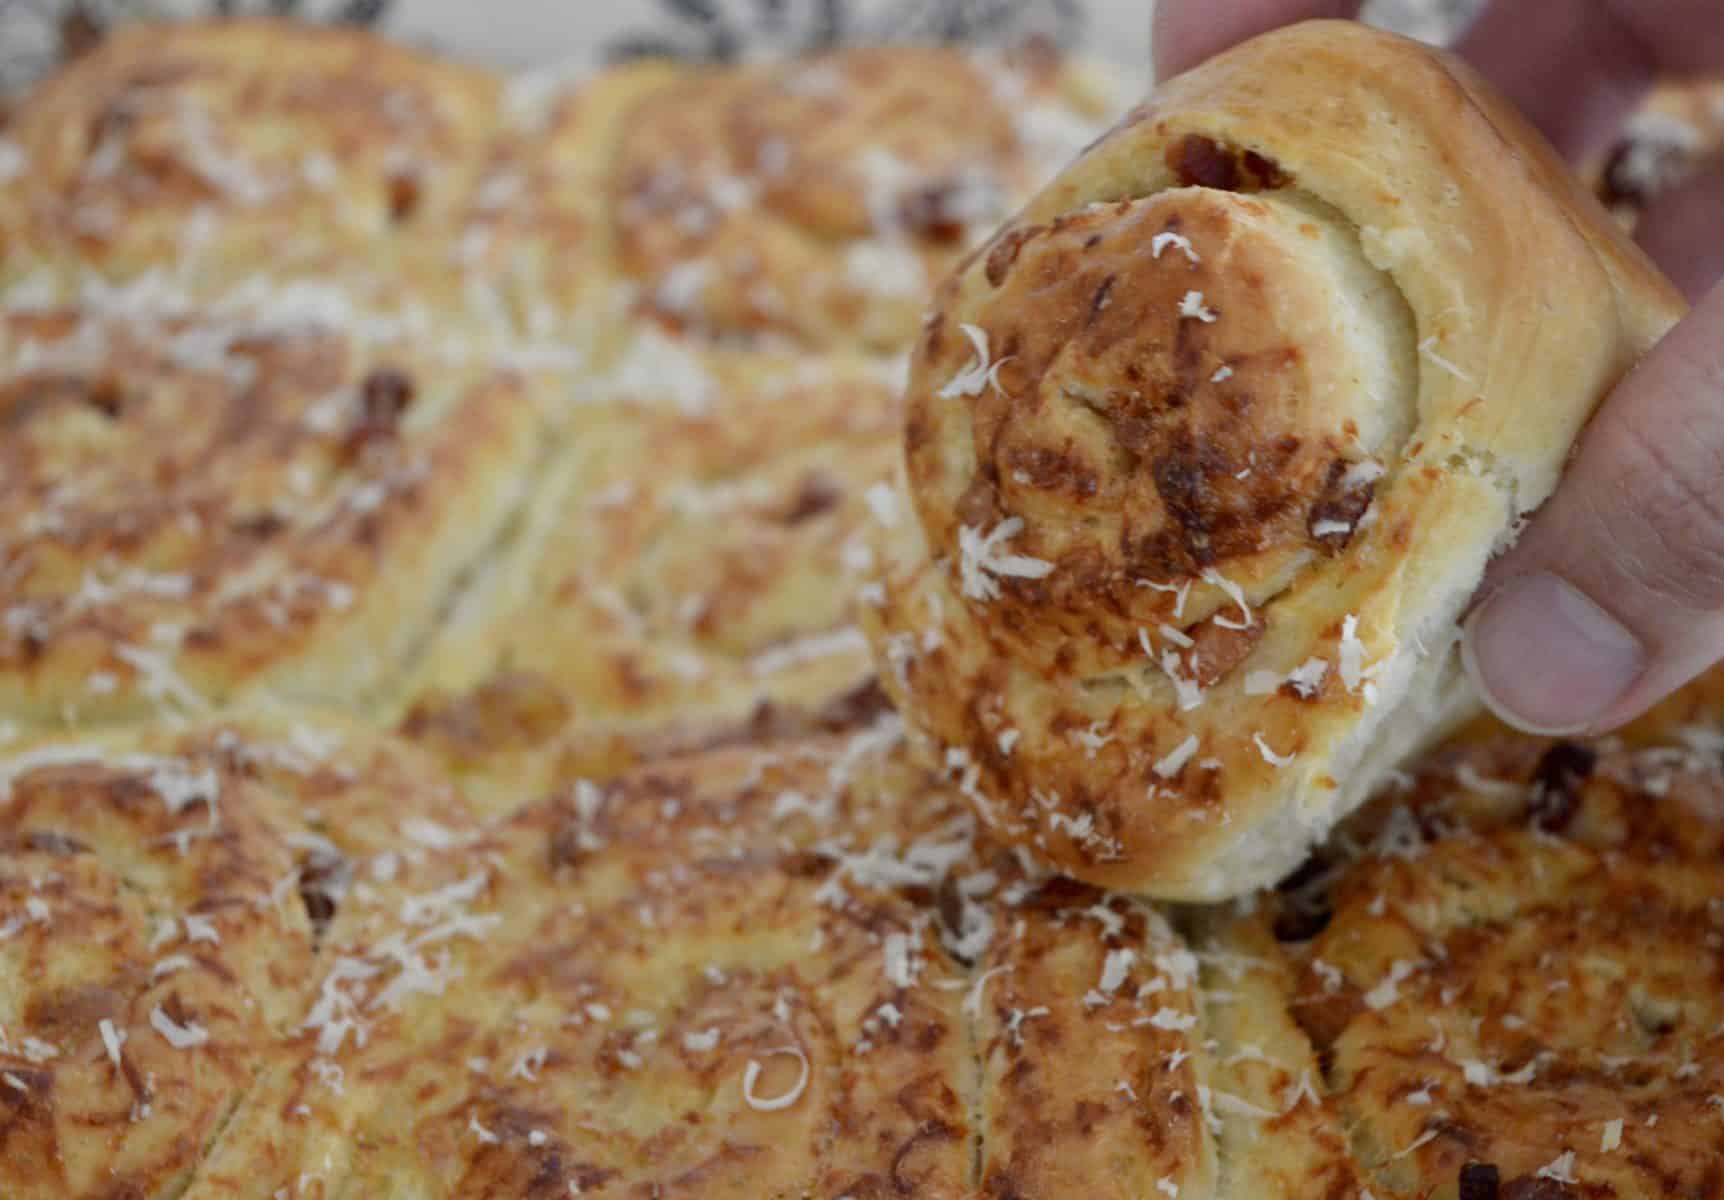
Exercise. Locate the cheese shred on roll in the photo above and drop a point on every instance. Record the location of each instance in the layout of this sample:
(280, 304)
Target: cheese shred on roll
(1211, 444)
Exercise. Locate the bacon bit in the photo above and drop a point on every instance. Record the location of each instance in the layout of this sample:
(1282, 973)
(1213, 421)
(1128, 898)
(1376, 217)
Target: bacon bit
(1005, 252)
(1480, 1181)
(1219, 646)
(1346, 496)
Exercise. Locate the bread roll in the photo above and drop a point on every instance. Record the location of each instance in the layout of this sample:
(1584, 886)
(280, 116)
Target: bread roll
(685, 578)
(1503, 966)
(241, 146)
(781, 971)
(1212, 442)
(198, 507)
(818, 199)
(161, 894)
(258, 156)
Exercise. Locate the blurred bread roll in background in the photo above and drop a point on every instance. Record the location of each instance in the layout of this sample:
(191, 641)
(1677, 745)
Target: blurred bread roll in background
(1211, 445)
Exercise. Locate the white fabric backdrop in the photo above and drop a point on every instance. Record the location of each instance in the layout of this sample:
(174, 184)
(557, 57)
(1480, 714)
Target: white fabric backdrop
(580, 33)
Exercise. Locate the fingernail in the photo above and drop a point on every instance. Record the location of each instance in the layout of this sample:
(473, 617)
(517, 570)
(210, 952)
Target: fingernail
(1546, 659)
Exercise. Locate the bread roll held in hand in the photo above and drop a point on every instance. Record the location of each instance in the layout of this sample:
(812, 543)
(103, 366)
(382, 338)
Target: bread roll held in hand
(1211, 444)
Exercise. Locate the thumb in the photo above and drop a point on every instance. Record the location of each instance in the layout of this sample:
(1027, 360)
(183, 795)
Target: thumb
(1614, 596)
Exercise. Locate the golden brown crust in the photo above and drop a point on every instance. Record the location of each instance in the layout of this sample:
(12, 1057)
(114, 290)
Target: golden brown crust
(767, 972)
(256, 158)
(1211, 442)
(818, 199)
(685, 578)
(1503, 966)
(160, 895)
(195, 508)
(288, 143)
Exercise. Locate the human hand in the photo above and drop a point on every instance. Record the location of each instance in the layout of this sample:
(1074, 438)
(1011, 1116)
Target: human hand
(1614, 595)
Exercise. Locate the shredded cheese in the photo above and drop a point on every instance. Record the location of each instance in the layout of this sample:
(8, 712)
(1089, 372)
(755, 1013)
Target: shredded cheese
(981, 559)
(1612, 1138)
(1162, 241)
(1175, 760)
(112, 1040)
(751, 1076)
(1560, 1168)
(1191, 308)
(180, 1037)
(973, 378)
(1269, 755)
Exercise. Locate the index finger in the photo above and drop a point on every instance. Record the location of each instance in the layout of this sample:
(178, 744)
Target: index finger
(1578, 68)
(1189, 31)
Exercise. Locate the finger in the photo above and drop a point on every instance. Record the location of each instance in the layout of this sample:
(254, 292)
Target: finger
(1614, 597)
(1579, 67)
(1680, 230)
(1189, 31)
(1570, 65)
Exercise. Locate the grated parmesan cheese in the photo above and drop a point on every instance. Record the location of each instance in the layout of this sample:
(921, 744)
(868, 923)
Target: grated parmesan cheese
(1175, 760)
(1560, 1168)
(1191, 308)
(112, 1040)
(1269, 755)
(1388, 991)
(751, 1076)
(1162, 241)
(180, 1037)
(1428, 349)
(981, 559)
(973, 378)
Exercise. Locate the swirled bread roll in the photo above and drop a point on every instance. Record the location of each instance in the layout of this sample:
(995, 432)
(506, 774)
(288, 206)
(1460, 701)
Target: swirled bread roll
(818, 199)
(237, 146)
(161, 894)
(685, 578)
(1212, 442)
(1509, 968)
(267, 162)
(199, 507)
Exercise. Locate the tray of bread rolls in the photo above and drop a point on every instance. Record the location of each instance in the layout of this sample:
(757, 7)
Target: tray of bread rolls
(866, 625)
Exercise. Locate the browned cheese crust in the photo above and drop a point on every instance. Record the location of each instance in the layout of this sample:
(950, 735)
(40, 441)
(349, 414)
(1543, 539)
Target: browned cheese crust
(1510, 965)
(772, 973)
(201, 507)
(1211, 442)
(818, 199)
(287, 146)
(160, 895)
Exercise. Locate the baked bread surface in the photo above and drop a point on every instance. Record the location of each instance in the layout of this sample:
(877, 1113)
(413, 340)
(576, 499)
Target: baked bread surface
(1212, 442)
(648, 895)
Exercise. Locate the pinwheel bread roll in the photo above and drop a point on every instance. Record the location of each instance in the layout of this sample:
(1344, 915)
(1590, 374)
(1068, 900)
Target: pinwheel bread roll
(1211, 444)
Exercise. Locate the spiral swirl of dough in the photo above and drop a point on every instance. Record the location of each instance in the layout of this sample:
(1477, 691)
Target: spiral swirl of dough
(1211, 443)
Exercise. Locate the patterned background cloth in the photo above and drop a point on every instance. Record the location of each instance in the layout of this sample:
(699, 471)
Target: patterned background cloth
(34, 34)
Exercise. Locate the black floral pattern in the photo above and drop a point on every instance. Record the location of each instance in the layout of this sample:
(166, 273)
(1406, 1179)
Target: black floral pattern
(726, 30)
(37, 35)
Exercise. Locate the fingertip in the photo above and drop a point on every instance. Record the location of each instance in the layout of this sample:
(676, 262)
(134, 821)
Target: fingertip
(1188, 31)
(1547, 659)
